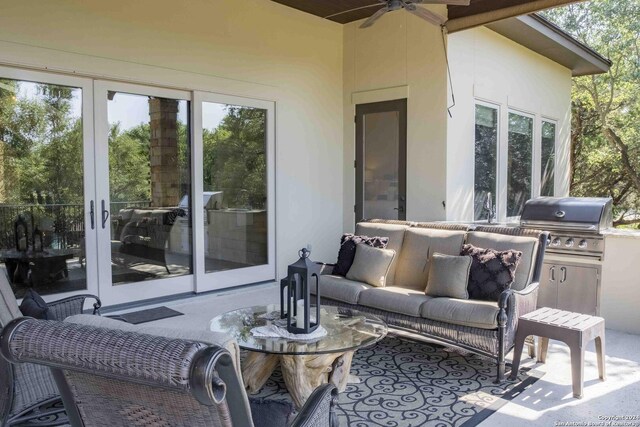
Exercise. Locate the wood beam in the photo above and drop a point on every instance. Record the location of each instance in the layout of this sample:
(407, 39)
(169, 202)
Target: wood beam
(487, 11)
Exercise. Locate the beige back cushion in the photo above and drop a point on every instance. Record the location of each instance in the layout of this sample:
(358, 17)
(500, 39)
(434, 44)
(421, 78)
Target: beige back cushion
(8, 305)
(394, 232)
(419, 244)
(501, 242)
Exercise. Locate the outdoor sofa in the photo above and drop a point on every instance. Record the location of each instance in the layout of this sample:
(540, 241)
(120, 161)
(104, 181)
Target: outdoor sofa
(484, 327)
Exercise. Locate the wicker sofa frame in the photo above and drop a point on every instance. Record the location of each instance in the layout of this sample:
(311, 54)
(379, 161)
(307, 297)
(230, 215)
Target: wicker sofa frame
(493, 343)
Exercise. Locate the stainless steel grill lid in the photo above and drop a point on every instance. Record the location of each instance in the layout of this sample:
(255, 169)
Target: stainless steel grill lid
(587, 214)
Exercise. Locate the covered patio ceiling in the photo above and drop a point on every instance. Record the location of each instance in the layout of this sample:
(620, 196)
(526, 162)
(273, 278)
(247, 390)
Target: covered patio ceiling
(479, 12)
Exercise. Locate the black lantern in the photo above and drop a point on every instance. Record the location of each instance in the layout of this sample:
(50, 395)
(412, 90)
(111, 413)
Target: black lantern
(37, 240)
(297, 296)
(20, 233)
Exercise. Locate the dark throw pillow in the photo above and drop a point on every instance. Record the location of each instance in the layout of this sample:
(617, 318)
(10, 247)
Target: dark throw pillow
(347, 252)
(492, 271)
(34, 306)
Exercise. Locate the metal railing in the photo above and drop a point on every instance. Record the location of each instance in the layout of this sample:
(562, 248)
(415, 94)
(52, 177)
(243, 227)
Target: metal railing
(62, 225)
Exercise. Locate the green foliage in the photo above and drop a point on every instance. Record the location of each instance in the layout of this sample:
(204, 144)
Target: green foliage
(605, 139)
(235, 158)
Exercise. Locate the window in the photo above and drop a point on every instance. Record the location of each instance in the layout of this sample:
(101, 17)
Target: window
(548, 158)
(486, 148)
(519, 162)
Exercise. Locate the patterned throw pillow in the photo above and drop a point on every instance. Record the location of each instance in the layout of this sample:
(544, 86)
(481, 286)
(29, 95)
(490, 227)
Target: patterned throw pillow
(347, 252)
(34, 306)
(492, 271)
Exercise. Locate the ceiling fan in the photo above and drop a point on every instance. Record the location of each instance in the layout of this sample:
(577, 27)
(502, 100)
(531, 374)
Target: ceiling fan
(410, 6)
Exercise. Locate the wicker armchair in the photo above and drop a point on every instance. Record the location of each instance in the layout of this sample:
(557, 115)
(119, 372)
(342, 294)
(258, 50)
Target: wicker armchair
(28, 393)
(111, 377)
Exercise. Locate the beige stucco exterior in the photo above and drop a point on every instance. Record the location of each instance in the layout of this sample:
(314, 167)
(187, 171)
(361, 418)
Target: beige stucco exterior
(252, 48)
(488, 67)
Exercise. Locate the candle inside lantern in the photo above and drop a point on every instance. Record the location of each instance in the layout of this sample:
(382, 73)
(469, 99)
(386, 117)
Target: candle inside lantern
(300, 313)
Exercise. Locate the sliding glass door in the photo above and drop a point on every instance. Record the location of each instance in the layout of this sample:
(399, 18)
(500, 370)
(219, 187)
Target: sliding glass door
(143, 165)
(47, 242)
(234, 184)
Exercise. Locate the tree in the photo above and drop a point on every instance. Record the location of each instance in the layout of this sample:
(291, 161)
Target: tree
(605, 139)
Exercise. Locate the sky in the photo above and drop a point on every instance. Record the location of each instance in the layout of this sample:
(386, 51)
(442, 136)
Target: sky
(132, 110)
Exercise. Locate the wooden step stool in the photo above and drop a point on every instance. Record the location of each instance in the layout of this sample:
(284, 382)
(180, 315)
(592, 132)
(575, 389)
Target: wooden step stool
(574, 329)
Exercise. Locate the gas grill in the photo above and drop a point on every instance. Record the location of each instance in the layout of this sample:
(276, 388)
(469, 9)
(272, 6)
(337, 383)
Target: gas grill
(571, 273)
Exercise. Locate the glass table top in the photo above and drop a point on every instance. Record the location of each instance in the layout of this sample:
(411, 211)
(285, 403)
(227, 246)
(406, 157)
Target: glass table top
(347, 330)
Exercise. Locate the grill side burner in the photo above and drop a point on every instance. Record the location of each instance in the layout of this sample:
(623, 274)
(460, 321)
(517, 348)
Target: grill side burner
(573, 263)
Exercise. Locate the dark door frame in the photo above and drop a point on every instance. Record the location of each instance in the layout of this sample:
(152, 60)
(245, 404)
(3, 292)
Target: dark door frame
(399, 105)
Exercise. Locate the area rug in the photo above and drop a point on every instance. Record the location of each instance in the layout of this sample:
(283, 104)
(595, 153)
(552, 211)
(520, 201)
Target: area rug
(409, 383)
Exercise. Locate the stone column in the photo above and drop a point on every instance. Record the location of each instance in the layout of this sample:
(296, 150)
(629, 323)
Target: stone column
(165, 186)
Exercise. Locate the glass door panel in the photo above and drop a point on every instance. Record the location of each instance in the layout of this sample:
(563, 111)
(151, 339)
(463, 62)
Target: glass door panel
(235, 184)
(519, 163)
(46, 241)
(145, 211)
(381, 160)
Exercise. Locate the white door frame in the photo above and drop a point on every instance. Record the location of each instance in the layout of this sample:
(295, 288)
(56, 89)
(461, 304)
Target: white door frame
(86, 84)
(229, 278)
(137, 290)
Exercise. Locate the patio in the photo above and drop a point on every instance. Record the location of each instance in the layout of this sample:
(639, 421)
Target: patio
(158, 154)
(546, 403)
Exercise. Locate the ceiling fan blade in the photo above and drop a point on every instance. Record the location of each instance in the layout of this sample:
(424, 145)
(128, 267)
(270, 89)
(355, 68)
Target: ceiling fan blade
(373, 18)
(425, 14)
(354, 9)
(447, 2)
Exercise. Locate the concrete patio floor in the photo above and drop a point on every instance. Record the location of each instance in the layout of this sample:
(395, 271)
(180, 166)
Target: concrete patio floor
(548, 402)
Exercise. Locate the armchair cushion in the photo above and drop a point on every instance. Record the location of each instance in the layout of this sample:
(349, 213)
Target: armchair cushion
(492, 272)
(34, 306)
(9, 309)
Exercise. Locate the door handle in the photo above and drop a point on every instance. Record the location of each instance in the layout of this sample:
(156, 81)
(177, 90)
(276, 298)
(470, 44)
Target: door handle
(400, 209)
(105, 215)
(563, 270)
(552, 270)
(92, 214)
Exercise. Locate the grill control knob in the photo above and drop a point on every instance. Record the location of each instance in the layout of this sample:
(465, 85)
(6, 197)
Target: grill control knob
(582, 244)
(569, 243)
(556, 242)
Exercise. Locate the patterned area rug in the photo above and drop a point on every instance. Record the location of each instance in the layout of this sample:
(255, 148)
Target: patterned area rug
(408, 383)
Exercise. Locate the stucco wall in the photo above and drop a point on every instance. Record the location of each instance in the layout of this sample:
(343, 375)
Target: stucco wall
(489, 67)
(253, 48)
(400, 56)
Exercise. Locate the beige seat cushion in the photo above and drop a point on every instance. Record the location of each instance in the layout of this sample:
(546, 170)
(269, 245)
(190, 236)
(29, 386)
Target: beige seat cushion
(394, 232)
(339, 288)
(419, 243)
(501, 242)
(465, 312)
(394, 299)
(371, 265)
(9, 309)
(448, 276)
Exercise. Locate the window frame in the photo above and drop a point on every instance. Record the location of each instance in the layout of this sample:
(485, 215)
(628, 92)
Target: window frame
(499, 154)
(229, 278)
(554, 122)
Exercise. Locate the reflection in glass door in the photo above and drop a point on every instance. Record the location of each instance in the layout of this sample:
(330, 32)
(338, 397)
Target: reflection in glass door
(45, 227)
(144, 208)
(236, 180)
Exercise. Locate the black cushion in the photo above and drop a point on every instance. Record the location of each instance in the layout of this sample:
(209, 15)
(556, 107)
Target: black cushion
(347, 252)
(492, 272)
(271, 413)
(34, 306)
